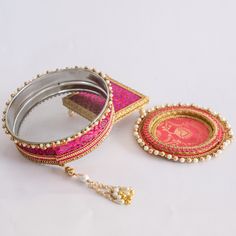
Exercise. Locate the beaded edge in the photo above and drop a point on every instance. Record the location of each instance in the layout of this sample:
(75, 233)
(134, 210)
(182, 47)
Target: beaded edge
(63, 141)
(228, 137)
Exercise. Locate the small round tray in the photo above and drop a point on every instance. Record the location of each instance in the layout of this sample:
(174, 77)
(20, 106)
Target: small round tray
(185, 133)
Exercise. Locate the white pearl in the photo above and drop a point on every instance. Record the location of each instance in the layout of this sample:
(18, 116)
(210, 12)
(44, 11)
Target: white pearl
(116, 189)
(225, 144)
(195, 160)
(169, 156)
(136, 134)
(182, 160)
(145, 148)
(219, 152)
(142, 112)
(175, 158)
(208, 157)
(115, 195)
(228, 142)
(156, 152)
(189, 160)
(223, 119)
(150, 150)
(139, 140)
(136, 127)
(118, 201)
(139, 120)
(122, 201)
(84, 178)
(142, 144)
(162, 154)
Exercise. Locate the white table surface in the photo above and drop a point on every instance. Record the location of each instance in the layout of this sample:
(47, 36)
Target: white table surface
(171, 51)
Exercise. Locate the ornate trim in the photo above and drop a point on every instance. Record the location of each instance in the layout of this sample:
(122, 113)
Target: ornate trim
(206, 151)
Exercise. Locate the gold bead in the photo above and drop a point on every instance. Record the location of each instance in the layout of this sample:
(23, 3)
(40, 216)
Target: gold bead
(70, 171)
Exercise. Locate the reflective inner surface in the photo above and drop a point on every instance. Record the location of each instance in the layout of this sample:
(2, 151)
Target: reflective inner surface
(50, 120)
(36, 114)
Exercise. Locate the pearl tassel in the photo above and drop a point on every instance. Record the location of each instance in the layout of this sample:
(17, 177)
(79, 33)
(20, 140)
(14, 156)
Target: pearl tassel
(118, 194)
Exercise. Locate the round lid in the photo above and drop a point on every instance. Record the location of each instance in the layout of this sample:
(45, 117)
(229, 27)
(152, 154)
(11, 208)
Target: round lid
(182, 132)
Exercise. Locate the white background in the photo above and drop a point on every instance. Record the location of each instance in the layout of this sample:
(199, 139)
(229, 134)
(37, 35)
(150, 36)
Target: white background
(171, 51)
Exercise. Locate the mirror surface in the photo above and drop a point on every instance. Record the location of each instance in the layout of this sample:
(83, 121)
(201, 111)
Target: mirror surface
(51, 119)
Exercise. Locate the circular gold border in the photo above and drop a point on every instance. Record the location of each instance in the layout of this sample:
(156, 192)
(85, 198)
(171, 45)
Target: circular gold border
(210, 125)
(66, 139)
(227, 138)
